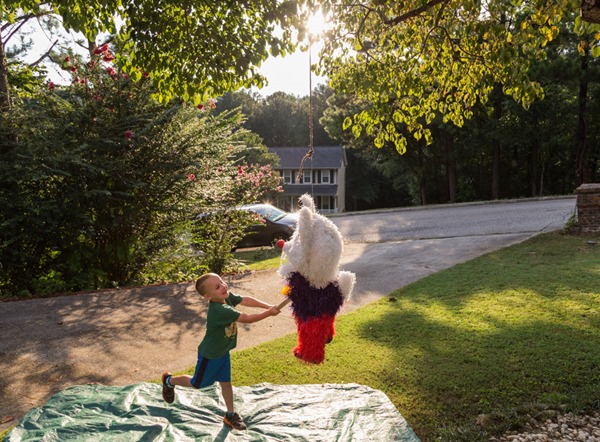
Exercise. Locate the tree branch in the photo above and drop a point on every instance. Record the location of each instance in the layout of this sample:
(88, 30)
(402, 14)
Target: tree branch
(414, 13)
(44, 55)
(22, 20)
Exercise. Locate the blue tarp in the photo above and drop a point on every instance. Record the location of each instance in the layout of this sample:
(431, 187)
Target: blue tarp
(317, 412)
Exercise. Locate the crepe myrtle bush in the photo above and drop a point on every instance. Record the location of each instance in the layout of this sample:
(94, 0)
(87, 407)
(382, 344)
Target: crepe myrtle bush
(217, 230)
(97, 178)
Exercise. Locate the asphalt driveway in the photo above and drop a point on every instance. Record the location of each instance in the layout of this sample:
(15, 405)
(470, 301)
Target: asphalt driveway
(125, 336)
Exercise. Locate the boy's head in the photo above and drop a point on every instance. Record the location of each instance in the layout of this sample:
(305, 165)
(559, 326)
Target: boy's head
(212, 287)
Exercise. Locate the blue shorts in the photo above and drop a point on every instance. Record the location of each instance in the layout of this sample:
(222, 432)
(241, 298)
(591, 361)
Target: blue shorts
(209, 371)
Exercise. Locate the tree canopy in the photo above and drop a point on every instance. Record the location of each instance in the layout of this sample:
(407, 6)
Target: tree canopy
(413, 61)
(192, 49)
(409, 61)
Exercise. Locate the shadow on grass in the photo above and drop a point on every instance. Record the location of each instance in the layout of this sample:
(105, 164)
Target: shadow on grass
(515, 329)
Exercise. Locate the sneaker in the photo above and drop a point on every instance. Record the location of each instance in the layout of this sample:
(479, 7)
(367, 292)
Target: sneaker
(235, 422)
(168, 392)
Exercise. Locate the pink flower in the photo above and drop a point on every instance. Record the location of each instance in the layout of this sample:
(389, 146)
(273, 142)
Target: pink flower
(51, 85)
(191, 177)
(67, 59)
(82, 81)
(211, 103)
(146, 74)
(108, 57)
(73, 68)
(125, 76)
(101, 49)
(201, 106)
(279, 189)
(111, 71)
(128, 134)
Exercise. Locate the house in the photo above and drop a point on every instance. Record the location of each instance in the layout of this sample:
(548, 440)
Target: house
(323, 177)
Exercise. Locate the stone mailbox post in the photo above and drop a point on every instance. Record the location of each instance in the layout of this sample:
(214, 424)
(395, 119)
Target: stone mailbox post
(588, 208)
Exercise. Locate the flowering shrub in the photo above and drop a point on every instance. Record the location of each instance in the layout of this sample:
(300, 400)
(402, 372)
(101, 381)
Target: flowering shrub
(221, 225)
(102, 179)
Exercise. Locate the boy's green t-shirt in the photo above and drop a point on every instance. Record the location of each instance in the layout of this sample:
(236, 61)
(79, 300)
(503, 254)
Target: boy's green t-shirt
(221, 328)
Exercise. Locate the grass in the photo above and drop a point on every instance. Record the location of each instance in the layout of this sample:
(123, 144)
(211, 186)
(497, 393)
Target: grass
(511, 335)
(259, 259)
(508, 336)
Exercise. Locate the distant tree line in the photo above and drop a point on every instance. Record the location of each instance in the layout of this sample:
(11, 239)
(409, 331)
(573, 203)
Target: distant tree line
(503, 151)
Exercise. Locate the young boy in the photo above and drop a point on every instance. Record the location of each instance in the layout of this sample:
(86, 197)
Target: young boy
(214, 364)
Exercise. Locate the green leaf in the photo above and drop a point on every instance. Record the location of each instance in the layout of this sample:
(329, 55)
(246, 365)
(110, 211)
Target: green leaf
(347, 123)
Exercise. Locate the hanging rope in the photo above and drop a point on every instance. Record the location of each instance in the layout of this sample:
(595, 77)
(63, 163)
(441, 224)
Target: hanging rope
(311, 150)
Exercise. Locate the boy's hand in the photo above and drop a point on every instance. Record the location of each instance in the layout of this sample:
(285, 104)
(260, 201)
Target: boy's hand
(274, 311)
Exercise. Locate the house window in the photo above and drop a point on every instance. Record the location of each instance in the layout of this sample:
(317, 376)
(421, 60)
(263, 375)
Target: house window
(325, 177)
(326, 204)
(287, 176)
(306, 177)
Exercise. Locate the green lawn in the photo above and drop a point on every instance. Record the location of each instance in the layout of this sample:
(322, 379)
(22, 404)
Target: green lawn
(509, 335)
(259, 259)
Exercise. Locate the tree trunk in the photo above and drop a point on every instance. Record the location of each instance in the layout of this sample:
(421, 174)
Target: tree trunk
(532, 167)
(582, 169)
(451, 172)
(5, 103)
(497, 114)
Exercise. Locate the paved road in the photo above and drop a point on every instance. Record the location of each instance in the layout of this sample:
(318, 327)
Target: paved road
(466, 220)
(120, 337)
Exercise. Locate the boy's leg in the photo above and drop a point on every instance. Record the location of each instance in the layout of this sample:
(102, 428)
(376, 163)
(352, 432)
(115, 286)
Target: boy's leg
(231, 417)
(227, 392)
(224, 379)
(169, 382)
(183, 380)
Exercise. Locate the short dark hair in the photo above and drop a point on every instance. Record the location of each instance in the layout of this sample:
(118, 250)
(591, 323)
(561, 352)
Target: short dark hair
(201, 281)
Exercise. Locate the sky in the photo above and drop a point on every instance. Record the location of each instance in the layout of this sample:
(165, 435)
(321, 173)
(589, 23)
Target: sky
(290, 74)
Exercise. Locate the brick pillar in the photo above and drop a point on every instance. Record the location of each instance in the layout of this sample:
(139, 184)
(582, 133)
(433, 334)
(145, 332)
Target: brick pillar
(588, 208)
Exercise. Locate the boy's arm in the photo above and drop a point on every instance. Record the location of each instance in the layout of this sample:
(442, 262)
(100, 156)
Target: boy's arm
(249, 301)
(246, 318)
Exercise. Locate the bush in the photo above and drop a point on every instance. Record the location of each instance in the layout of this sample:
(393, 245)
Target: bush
(97, 179)
(217, 231)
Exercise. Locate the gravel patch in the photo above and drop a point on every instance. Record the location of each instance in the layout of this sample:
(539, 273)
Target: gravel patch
(567, 427)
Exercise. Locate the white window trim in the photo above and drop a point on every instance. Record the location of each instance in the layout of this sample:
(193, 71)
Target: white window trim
(287, 176)
(331, 202)
(307, 174)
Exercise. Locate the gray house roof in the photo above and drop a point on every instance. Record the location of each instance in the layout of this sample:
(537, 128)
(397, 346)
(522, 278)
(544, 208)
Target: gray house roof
(324, 157)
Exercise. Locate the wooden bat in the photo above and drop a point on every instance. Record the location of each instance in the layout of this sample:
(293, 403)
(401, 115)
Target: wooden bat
(283, 303)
